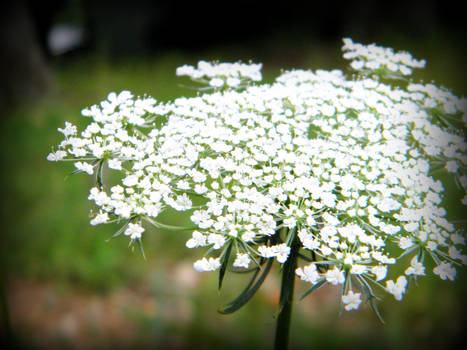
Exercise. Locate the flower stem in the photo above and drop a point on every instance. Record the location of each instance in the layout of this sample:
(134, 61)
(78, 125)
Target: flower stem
(286, 298)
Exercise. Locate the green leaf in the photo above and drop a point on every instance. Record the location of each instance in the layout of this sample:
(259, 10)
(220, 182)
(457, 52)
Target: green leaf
(326, 262)
(77, 171)
(99, 179)
(366, 289)
(224, 260)
(169, 227)
(120, 231)
(316, 286)
(140, 244)
(408, 251)
(290, 236)
(375, 309)
(347, 283)
(249, 291)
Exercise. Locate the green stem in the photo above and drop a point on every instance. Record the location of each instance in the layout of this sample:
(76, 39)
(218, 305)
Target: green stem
(286, 298)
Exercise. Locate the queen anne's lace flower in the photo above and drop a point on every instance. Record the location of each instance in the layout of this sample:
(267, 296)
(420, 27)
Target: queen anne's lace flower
(134, 231)
(231, 75)
(351, 300)
(83, 166)
(242, 260)
(343, 168)
(100, 218)
(372, 58)
(445, 271)
(398, 288)
(415, 268)
(204, 264)
(309, 273)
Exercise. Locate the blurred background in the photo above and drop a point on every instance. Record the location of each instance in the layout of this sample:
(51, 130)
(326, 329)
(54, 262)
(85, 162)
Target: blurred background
(66, 285)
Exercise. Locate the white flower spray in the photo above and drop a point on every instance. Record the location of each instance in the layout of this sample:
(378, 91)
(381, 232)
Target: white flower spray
(336, 171)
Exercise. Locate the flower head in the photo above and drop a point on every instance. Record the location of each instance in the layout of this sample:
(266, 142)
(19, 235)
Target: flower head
(398, 288)
(340, 168)
(351, 300)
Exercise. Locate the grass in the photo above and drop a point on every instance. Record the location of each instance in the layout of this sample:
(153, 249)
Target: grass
(46, 233)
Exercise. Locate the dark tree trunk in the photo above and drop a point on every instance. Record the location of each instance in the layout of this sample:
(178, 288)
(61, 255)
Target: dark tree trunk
(23, 70)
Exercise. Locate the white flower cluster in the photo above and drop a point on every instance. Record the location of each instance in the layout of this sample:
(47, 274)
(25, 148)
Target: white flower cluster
(371, 58)
(233, 75)
(343, 165)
